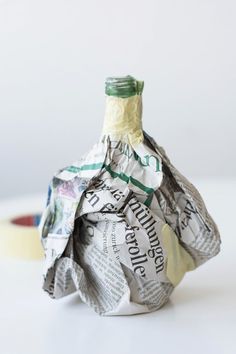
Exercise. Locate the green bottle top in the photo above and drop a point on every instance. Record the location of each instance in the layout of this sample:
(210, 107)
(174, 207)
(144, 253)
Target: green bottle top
(124, 87)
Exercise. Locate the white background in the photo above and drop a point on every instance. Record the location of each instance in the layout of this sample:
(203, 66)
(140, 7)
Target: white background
(55, 56)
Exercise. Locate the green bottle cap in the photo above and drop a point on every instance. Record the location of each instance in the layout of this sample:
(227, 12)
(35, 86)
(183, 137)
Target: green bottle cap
(124, 87)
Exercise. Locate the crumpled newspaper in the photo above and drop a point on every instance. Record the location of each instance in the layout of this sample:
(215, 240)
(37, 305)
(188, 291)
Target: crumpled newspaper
(122, 226)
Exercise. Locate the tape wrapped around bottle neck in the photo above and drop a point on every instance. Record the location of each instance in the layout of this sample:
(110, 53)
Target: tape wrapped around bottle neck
(123, 119)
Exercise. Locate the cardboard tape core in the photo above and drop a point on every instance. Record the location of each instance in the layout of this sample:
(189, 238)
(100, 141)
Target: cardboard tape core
(28, 220)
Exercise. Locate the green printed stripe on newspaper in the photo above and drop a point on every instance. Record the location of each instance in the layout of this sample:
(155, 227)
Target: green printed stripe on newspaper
(126, 178)
(93, 166)
(122, 176)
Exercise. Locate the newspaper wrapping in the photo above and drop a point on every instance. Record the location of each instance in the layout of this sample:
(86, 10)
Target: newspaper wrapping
(122, 226)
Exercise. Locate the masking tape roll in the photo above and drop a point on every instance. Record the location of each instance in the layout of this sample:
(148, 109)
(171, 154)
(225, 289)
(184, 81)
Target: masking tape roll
(19, 238)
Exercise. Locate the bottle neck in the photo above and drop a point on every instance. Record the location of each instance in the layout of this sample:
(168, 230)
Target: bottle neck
(123, 119)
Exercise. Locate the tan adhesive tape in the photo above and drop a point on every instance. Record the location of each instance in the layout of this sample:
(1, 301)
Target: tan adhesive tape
(19, 238)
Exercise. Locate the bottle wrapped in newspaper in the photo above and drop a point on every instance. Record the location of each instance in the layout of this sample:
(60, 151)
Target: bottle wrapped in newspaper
(122, 226)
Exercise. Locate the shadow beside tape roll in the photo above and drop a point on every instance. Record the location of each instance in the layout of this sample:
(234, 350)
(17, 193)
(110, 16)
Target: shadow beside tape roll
(19, 237)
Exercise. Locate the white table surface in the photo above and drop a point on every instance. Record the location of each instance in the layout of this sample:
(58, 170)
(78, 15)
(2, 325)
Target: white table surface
(199, 318)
